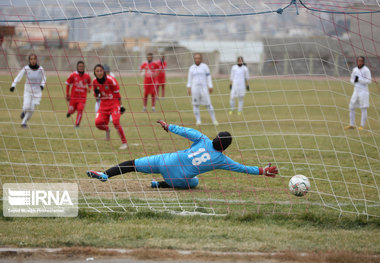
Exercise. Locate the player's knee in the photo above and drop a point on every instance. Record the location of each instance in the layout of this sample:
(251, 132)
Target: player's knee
(193, 182)
(185, 183)
(116, 122)
(80, 108)
(100, 125)
(28, 107)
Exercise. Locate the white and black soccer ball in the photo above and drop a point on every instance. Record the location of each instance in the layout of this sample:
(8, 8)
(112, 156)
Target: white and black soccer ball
(299, 185)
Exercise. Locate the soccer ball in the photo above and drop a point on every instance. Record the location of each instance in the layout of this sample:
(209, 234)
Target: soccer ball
(299, 185)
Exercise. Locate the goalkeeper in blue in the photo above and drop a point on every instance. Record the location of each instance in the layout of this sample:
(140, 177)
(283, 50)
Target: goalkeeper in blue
(180, 169)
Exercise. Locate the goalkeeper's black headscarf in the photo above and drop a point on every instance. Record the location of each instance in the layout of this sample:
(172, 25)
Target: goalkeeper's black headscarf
(222, 141)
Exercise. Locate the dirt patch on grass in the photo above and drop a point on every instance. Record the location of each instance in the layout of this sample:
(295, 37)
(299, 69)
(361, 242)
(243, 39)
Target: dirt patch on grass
(181, 255)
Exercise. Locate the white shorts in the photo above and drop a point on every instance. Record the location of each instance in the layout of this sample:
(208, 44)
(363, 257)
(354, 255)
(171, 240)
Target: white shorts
(201, 98)
(30, 100)
(359, 99)
(237, 92)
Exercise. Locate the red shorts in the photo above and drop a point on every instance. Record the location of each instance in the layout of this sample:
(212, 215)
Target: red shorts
(149, 88)
(76, 105)
(104, 113)
(103, 118)
(161, 79)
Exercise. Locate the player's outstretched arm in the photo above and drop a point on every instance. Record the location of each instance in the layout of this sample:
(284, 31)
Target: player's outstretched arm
(188, 133)
(231, 165)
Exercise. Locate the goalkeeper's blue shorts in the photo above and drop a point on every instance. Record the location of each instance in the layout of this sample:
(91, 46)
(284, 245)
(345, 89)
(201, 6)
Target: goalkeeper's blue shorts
(172, 174)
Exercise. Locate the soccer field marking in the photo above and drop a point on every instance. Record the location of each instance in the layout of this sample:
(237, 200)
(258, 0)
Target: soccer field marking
(100, 254)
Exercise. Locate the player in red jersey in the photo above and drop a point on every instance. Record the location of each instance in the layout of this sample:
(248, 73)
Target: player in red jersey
(151, 71)
(110, 103)
(80, 84)
(161, 76)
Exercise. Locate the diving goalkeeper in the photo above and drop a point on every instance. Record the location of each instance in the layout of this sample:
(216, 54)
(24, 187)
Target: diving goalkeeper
(180, 169)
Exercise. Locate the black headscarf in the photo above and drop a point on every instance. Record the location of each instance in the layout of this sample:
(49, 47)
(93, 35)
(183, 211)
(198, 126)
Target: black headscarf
(103, 79)
(80, 62)
(35, 67)
(222, 141)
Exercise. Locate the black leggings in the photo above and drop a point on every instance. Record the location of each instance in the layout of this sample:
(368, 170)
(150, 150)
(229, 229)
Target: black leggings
(122, 168)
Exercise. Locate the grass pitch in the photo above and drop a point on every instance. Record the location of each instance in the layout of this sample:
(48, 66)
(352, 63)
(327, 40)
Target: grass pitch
(295, 124)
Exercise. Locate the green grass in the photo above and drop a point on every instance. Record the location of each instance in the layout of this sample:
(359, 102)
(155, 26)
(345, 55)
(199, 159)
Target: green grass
(295, 124)
(304, 232)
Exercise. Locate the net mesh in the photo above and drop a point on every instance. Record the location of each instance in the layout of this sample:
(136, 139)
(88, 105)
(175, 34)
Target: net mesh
(293, 116)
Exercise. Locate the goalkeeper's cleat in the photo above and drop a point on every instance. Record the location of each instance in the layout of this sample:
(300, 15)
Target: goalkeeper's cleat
(123, 146)
(22, 115)
(230, 112)
(360, 128)
(215, 122)
(68, 115)
(349, 127)
(108, 135)
(97, 175)
(239, 113)
(198, 123)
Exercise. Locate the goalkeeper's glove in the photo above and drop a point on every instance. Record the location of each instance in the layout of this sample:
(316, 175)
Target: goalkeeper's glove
(122, 109)
(164, 125)
(12, 89)
(356, 79)
(269, 170)
(247, 87)
(42, 88)
(230, 86)
(96, 91)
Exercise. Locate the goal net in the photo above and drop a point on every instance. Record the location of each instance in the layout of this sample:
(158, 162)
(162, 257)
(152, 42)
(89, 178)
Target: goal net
(300, 55)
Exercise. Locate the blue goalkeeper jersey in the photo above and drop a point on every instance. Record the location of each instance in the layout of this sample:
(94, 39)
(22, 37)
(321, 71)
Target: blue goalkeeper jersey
(201, 157)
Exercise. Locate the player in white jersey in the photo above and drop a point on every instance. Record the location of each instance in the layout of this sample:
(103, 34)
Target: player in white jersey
(199, 86)
(238, 84)
(360, 77)
(107, 70)
(34, 84)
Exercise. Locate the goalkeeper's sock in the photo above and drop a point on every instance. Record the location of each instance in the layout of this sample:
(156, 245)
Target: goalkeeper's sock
(122, 168)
